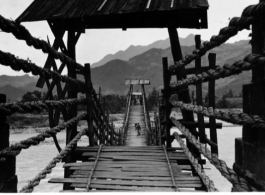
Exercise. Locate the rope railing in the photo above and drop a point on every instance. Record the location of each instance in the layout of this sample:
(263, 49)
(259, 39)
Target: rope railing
(48, 169)
(250, 62)
(236, 24)
(194, 162)
(126, 117)
(256, 122)
(16, 148)
(239, 183)
(17, 64)
(28, 107)
(21, 33)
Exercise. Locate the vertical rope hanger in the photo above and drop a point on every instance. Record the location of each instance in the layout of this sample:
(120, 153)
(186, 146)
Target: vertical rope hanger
(170, 170)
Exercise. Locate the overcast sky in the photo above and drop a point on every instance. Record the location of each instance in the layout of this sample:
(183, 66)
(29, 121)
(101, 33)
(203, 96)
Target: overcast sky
(95, 44)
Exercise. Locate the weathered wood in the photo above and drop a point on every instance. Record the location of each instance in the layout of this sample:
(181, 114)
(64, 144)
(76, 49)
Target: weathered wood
(166, 80)
(87, 75)
(8, 178)
(72, 131)
(183, 184)
(146, 174)
(199, 100)
(211, 96)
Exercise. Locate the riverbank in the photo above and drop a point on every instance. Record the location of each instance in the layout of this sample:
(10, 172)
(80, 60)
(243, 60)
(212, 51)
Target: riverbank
(39, 123)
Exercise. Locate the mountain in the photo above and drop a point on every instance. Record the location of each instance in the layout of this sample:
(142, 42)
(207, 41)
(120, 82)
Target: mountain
(136, 50)
(148, 65)
(16, 81)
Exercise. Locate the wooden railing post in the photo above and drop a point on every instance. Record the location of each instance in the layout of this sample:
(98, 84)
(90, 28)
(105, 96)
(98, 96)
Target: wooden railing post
(211, 96)
(89, 104)
(105, 123)
(108, 133)
(112, 134)
(199, 101)
(166, 77)
(8, 178)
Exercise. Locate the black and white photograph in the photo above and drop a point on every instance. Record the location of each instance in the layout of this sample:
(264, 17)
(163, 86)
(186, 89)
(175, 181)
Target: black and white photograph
(132, 96)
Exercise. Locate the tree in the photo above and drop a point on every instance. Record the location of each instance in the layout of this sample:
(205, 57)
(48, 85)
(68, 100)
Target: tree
(152, 99)
(31, 96)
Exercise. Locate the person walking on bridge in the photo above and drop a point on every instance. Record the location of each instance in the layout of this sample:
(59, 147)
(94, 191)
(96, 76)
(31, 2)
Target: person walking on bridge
(138, 129)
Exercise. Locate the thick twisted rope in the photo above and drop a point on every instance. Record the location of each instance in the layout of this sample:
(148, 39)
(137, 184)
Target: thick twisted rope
(17, 64)
(236, 24)
(239, 183)
(194, 162)
(21, 33)
(93, 169)
(170, 170)
(16, 148)
(259, 183)
(28, 107)
(48, 169)
(250, 62)
(255, 122)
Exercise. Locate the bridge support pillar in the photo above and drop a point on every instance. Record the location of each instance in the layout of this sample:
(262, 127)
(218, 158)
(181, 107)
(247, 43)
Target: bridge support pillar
(250, 150)
(8, 178)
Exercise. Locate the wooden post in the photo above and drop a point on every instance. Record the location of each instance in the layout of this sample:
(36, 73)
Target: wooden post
(250, 151)
(8, 178)
(211, 97)
(107, 125)
(166, 78)
(87, 74)
(72, 131)
(104, 119)
(112, 134)
(199, 101)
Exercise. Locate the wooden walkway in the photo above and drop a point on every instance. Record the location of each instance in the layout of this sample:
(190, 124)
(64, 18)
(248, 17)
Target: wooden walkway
(134, 167)
(136, 116)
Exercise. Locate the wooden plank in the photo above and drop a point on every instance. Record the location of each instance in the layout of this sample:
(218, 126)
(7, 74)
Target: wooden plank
(168, 183)
(146, 174)
(127, 188)
(135, 156)
(111, 176)
(140, 158)
(88, 167)
(138, 183)
(132, 154)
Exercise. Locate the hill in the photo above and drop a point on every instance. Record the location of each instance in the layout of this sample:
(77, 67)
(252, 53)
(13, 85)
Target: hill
(147, 65)
(133, 51)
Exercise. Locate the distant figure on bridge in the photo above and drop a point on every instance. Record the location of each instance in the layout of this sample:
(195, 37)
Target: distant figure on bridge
(138, 129)
(136, 124)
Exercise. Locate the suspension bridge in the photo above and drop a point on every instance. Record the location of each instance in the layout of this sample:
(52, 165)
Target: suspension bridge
(121, 160)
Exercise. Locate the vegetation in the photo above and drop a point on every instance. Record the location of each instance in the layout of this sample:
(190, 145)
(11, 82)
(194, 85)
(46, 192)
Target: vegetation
(152, 99)
(115, 103)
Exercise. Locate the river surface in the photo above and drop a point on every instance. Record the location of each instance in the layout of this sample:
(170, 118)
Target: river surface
(31, 161)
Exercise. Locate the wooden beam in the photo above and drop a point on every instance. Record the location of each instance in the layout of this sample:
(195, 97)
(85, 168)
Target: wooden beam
(8, 178)
(211, 95)
(199, 92)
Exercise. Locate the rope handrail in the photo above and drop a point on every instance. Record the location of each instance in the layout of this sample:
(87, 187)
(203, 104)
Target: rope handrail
(21, 33)
(93, 169)
(48, 169)
(251, 61)
(16, 148)
(194, 162)
(27, 107)
(236, 24)
(17, 64)
(126, 117)
(230, 117)
(239, 183)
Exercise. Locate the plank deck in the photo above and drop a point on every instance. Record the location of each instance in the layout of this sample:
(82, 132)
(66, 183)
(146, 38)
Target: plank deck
(134, 167)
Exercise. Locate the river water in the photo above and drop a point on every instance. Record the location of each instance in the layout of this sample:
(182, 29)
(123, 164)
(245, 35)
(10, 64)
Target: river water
(31, 161)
